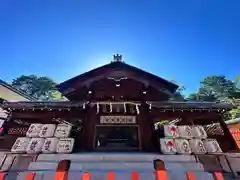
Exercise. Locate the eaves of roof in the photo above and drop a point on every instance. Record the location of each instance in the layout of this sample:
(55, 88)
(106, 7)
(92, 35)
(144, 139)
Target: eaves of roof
(21, 93)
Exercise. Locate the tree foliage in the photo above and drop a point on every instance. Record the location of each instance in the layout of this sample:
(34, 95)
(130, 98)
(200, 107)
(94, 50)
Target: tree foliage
(220, 89)
(42, 88)
(235, 99)
(214, 88)
(237, 82)
(178, 96)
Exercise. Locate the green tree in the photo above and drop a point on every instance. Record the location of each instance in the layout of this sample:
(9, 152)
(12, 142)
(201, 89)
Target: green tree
(218, 88)
(235, 99)
(214, 88)
(42, 88)
(237, 82)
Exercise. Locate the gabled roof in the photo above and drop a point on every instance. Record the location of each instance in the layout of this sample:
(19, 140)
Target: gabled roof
(42, 104)
(192, 105)
(21, 93)
(117, 65)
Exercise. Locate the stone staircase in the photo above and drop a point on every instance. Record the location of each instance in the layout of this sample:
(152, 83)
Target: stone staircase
(122, 164)
(99, 164)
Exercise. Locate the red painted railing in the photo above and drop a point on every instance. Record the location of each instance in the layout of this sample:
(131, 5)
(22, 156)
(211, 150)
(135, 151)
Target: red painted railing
(160, 175)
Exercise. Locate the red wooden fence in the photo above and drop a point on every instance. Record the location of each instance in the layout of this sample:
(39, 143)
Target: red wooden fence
(160, 175)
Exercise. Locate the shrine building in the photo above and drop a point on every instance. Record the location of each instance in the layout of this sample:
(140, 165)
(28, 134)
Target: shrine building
(118, 107)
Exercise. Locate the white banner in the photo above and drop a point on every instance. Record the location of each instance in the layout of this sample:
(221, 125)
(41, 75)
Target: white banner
(118, 120)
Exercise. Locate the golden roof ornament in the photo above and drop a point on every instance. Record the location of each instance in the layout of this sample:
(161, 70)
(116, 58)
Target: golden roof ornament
(117, 58)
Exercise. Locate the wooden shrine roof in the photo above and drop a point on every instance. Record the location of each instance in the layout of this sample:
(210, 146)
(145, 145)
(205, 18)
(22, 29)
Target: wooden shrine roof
(42, 104)
(233, 121)
(21, 93)
(66, 86)
(191, 105)
(161, 105)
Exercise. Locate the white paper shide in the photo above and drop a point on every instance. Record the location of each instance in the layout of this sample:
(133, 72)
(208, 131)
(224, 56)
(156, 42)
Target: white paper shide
(35, 145)
(197, 146)
(50, 145)
(34, 130)
(47, 130)
(185, 132)
(168, 146)
(171, 131)
(183, 146)
(212, 146)
(2, 122)
(3, 114)
(65, 145)
(63, 131)
(20, 145)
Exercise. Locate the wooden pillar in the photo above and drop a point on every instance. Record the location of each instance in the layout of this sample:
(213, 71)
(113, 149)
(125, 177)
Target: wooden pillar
(89, 128)
(146, 132)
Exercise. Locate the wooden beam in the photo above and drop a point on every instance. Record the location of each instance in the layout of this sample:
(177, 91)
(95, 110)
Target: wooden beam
(47, 115)
(196, 116)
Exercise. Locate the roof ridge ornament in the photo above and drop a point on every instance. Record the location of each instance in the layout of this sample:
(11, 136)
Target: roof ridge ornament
(117, 58)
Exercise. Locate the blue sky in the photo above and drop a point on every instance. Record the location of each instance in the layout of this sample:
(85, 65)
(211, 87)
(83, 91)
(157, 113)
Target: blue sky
(184, 40)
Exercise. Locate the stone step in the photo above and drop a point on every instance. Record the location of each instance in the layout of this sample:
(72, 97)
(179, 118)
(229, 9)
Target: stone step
(41, 166)
(186, 166)
(104, 166)
(134, 157)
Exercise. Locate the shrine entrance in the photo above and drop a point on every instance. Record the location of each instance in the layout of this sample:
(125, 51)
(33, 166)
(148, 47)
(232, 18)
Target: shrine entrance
(117, 133)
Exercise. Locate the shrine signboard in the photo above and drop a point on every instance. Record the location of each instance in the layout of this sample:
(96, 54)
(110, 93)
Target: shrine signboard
(118, 120)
